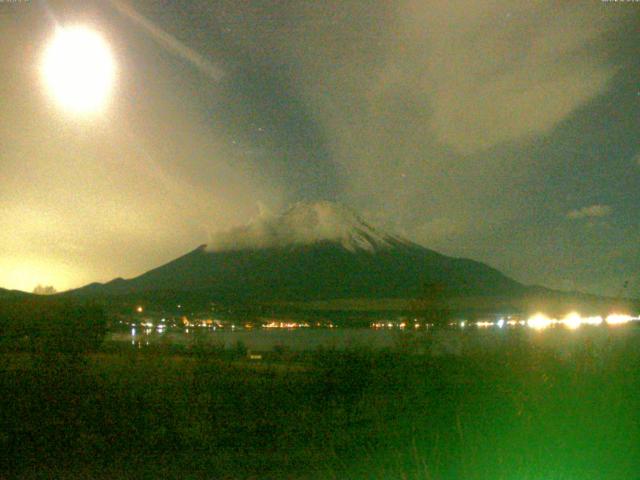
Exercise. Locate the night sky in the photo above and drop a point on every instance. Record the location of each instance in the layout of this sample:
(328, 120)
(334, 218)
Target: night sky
(508, 132)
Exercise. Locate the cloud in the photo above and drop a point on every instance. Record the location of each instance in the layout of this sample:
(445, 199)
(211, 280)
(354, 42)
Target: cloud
(497, 72)
(466, 76)
(592, 211)
(425, 109)
(408, 98)
(426, 105)
(303, 223)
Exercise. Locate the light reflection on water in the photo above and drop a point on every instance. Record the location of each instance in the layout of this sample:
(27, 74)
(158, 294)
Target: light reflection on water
(436, 341)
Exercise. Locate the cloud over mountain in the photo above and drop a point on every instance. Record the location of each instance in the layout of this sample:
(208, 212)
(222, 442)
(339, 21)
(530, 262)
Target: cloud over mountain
(304, 223)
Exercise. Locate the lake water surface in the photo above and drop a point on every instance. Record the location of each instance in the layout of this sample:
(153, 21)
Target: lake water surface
(436, 340)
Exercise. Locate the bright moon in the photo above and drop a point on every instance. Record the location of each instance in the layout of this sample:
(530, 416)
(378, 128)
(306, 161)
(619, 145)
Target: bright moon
(78, 69)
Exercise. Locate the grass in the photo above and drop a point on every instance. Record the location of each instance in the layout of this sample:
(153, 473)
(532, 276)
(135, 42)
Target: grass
(521, 413)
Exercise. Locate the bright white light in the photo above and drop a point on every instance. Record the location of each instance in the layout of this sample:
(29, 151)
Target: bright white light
(500, 323)
(539, 321)
(572, 321)
(592, 320)
(79, 69)
(618, 319)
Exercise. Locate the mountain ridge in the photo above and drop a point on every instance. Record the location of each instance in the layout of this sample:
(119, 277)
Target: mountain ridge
(310, 252)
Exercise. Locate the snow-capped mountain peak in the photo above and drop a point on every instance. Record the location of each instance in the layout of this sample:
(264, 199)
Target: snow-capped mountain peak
(303, 224)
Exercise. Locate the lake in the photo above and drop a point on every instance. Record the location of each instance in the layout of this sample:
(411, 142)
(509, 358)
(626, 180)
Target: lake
(437, 341)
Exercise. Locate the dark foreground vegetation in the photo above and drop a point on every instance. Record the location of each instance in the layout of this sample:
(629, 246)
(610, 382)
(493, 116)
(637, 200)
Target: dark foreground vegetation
(206, 413)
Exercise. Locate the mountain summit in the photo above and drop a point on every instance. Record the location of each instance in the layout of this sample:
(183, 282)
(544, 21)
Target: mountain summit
(312, 251)
(304, 224)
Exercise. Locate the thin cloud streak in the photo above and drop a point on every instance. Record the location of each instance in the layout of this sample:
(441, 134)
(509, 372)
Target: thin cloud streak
(168, 41)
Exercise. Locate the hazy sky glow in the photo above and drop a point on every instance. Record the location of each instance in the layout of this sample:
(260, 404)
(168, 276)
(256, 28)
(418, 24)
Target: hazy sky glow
(507, 132)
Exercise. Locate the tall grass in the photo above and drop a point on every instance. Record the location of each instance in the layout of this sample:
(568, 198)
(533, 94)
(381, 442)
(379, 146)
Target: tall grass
(522, 412)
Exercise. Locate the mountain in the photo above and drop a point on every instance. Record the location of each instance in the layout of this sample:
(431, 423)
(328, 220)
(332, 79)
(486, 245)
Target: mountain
(313, 251)
(4, 294)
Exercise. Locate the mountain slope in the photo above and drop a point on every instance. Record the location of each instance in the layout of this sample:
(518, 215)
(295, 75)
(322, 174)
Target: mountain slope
(12, 294)
(313, 251)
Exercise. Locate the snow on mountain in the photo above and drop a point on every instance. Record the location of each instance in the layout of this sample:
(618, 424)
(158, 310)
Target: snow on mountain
(262, 262)
(303, 224)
